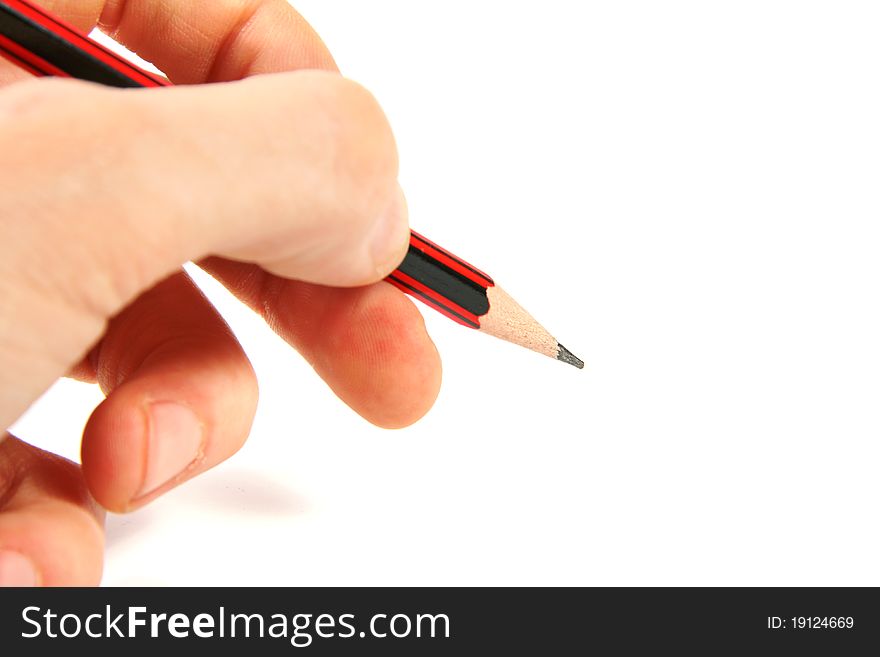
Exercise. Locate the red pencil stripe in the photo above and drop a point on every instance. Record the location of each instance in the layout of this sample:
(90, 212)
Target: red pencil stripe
(20, 63)
(436, 296)
(437, 299)
(34, 64)
(71, 34)
(424, 298)
(452, 261)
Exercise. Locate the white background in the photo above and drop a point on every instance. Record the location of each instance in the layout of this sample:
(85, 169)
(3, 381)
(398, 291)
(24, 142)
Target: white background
(686, 193)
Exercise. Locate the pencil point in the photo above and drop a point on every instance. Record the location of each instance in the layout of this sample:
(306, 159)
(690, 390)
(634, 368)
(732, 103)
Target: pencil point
(567, 357)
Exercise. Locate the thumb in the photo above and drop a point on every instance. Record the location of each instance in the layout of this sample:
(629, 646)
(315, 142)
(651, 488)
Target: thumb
(108, 191)
(296, 171)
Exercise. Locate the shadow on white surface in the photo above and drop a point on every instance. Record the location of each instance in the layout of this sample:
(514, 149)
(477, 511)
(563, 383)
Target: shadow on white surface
(245, 491)
(120, 529)
(218, 514)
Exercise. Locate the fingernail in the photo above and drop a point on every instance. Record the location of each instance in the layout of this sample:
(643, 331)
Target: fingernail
(174, 443)
(16, 570)
(390, 236)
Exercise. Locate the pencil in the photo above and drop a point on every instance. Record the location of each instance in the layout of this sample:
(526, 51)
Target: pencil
(46, 45)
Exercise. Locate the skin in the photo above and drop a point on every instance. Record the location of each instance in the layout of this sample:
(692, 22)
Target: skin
(299, 214)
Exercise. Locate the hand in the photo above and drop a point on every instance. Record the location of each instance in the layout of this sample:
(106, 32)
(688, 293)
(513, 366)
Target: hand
(283, 187)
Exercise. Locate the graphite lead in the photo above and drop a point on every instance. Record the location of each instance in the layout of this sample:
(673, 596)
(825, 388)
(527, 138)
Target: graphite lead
(567, 357)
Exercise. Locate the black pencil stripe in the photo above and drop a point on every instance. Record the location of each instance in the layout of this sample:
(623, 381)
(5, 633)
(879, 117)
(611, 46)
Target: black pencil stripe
(31, 67)
(52, 19)
(433, 301)
(445, 281)
(47, 45)
(453, 257)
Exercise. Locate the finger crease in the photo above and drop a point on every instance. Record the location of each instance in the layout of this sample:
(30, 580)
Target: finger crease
(246, 17)
(10, 475)
(120, 7)
(270, 289)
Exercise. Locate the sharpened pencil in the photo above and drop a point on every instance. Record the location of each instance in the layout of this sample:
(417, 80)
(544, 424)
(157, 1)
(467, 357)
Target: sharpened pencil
(470, 297)
(44, 44)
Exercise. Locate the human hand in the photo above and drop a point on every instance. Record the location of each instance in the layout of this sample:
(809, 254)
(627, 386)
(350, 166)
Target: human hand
(283, 187)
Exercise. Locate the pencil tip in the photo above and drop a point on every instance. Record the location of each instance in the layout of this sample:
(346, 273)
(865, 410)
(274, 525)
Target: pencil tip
(567, 357)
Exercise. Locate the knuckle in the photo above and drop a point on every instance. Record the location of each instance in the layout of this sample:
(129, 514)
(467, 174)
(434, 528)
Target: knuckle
(363, 151)
(370, 142)
(11, 466)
